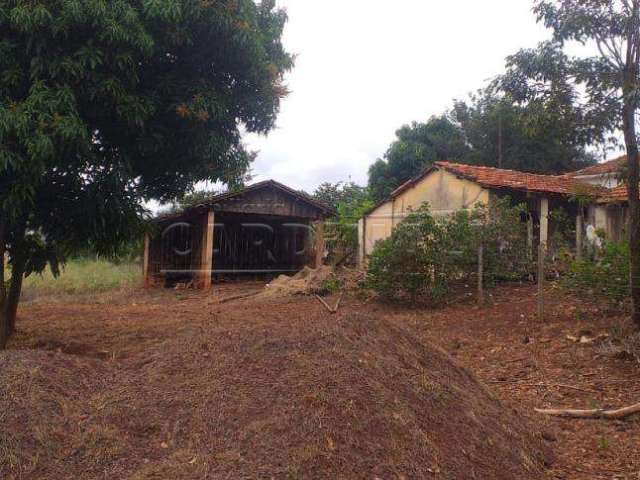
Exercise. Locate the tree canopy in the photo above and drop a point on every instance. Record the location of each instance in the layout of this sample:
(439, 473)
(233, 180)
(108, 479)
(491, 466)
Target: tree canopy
(106, 103)
(607, 76)
(416, 147)
(495, 127)
(350, 202)
(545, 136)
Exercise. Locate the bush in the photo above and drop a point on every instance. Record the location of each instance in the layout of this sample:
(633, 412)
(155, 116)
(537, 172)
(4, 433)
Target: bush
(602, 275)
(425, 256)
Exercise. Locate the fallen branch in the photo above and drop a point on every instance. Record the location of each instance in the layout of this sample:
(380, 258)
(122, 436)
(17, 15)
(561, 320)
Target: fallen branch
(596, 413)
(326, 305)
(335, 309)
(544, 385)
(236, 297)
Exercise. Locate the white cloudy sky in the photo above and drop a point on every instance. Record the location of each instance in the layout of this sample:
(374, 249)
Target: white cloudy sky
(365, 67)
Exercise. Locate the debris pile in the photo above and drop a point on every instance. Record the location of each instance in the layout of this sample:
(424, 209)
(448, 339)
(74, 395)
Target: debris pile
(306, 282)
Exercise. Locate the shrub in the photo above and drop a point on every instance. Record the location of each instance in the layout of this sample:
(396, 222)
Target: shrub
(602, 275)
(623, 342)
(425, 255)
(407, 263)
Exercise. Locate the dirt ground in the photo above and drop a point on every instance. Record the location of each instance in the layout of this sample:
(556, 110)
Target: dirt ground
(526, 363)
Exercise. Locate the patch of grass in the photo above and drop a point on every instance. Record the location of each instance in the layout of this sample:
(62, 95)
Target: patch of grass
(331, 285)
(83, 276)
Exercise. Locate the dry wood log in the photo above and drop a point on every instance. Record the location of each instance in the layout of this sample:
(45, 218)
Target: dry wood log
(596, 413)
(335, 309)
(236, 297)
(326, 305)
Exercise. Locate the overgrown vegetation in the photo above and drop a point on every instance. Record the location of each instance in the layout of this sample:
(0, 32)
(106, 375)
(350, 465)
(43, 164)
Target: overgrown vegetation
(427, 256)
(351, 203)
(603, 274)
(83, 276)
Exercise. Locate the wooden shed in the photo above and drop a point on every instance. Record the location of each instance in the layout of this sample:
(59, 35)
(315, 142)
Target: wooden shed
(266, 228)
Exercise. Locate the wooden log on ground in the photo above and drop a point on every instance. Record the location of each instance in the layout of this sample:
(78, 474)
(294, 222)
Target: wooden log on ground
(326, 305)
(618, 414)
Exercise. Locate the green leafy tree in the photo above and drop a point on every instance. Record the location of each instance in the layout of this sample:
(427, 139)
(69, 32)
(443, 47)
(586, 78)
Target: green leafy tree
(608, 78)
(493, 128)
(334, 194)
(106, 103)
(541, 137)
(417, 146)
(351, 202)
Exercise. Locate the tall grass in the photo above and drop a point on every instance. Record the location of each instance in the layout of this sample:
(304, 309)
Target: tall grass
(83, 277)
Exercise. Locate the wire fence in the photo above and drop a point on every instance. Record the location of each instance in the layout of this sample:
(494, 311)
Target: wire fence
(424, 257)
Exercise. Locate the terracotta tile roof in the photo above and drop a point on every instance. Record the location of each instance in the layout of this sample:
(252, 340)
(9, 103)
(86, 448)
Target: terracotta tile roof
(490, 177)
(612, 166)
(615, 195)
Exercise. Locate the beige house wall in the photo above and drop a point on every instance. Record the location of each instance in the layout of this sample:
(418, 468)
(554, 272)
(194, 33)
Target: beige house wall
(444, 192)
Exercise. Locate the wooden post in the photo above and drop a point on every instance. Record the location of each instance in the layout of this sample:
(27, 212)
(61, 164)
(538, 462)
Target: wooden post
(530, 236)
(206, 251)
(541, 254)
(579, 228)
(360, 243)
(320, 245)
(145, 261)
(544, 221)
(481, 274)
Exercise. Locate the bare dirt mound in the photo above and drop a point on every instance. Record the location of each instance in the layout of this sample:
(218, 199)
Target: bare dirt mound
(299, 396)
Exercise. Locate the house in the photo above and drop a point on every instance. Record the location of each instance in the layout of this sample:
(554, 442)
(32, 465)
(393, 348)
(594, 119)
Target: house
(609, 209)
(606, 174)
(266, 228)
(449, 187)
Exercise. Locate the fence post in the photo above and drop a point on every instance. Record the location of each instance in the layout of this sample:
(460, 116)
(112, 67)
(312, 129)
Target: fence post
(579, 228)
(481, 274)
(541, 255)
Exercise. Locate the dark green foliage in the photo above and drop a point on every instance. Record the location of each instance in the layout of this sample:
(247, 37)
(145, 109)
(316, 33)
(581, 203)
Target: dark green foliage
(334, 194)
(602, 275)
(539, 137)
(106, 103)
(426, 257)
(417, 146)
(548, 84)
(493, 128)
(404, 265)
(351, 202)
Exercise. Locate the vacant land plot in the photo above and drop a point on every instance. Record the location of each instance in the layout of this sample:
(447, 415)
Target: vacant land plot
(83, 277)
(167, 384)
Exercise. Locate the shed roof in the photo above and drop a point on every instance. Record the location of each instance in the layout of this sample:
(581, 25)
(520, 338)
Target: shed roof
(220, 200)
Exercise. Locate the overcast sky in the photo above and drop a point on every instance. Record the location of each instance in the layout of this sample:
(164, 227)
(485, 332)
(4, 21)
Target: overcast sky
(366, 67)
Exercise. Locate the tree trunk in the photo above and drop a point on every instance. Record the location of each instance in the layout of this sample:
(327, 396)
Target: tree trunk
(631, 143)
(13, 296)
(629, 108)
(3, 290)
(634, 214)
